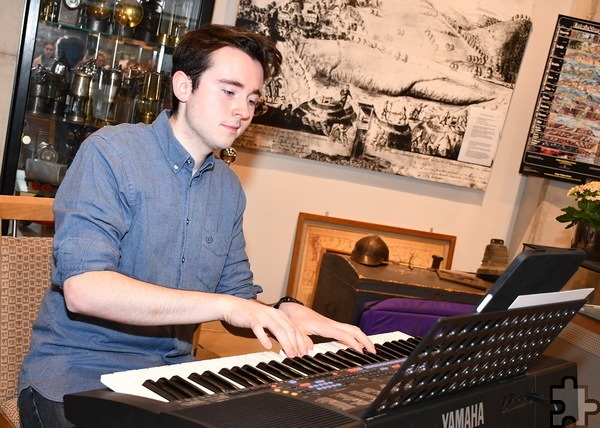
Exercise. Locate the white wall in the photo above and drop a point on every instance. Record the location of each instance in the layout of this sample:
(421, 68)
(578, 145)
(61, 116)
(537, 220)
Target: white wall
(279, 187)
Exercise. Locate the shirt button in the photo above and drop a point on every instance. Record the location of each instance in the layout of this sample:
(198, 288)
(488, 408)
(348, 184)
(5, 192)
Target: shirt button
(187, 221)
(176, 167)
(183, 260)
(209, 239)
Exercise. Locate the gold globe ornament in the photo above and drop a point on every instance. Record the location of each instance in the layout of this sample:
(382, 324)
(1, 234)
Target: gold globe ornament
(99, 9)
(129, 13)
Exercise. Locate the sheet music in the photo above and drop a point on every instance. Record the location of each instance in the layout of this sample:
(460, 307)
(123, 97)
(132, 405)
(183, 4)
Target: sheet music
(546, 298)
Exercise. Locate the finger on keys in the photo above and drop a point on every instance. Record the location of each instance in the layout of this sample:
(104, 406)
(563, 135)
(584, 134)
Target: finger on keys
(262, 337)
(364, 344)
(305, 344)
(355, 338)
(291, 342)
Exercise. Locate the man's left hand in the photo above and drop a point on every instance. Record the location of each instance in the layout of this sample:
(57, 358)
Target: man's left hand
(313, 323)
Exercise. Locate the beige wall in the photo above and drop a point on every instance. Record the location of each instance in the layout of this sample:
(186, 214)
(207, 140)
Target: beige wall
(514, 208)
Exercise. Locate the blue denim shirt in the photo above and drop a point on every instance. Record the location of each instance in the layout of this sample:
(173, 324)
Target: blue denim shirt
(130, 203)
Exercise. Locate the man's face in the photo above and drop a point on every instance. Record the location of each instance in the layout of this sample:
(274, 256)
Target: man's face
(220, 109)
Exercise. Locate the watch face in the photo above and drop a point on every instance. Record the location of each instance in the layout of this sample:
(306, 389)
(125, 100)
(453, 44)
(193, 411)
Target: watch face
(72, 4)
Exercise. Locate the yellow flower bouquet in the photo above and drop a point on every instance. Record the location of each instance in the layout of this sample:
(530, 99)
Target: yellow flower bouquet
(587, 210)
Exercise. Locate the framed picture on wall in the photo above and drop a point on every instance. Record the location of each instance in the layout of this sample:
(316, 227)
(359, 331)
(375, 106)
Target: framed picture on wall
(564, 136)
(316, 234)
(419, 90)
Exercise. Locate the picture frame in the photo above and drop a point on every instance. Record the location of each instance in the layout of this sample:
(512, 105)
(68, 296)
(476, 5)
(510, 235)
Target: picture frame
(316, 234)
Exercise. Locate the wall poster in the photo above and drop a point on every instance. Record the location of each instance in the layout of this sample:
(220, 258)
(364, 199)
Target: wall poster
(564, 137)
(412, 88)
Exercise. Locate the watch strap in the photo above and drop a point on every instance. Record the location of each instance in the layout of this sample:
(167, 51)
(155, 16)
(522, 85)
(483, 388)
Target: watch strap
(287, 299)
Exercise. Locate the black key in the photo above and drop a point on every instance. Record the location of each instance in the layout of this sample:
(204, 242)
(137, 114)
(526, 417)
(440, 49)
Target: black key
(293, 373)
(377, 356)
(357, 358)
(302, 366)
(393, 349)
(332, 362)
(390, 355)
(346, 362)
(259, 374)
(218, 380)
(237, 378)
(323, 364)
(248, 376)
(400, 346)
(273, 371)
(186, 387)
(154, 387)
(166, 384)
(367, 357)
(409, 346)
(415, 340)
(312, 363)
(206, 383)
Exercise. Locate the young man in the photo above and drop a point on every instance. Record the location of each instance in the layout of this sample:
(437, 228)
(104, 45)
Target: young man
(149, 240)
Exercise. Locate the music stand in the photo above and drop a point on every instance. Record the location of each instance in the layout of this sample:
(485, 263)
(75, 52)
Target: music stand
(469, 350)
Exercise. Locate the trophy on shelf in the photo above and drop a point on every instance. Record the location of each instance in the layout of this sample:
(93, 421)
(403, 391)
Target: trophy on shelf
(98, 14)
(131, 87)
(105, 104)
(78, 97)
(149, 103)
(128, 15)
(177, 24)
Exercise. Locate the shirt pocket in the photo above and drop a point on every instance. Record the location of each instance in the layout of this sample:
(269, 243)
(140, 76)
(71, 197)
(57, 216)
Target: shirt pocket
(215, 248)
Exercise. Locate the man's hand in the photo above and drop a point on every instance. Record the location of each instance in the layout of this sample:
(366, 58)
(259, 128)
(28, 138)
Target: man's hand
(290, 325)
(265, 320)
(310, 322)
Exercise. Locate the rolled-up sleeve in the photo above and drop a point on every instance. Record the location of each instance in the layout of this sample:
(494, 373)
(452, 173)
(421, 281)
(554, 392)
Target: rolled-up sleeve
(91, 212)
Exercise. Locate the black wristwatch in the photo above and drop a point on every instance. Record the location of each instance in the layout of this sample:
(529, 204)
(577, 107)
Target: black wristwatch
(285, 300)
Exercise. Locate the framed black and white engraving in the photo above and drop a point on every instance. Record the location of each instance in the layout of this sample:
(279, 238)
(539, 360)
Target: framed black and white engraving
(417, 89)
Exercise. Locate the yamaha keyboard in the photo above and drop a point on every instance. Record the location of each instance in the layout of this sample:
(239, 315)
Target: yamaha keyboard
(208, 377)
(478, 370)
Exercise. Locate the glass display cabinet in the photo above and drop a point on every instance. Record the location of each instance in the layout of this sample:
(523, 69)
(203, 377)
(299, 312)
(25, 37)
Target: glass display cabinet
(84, 64)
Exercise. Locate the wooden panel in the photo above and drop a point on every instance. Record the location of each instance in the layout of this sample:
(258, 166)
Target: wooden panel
(26, 208)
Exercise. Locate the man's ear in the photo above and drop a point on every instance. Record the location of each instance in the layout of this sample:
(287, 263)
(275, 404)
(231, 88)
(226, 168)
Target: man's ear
(182, 86)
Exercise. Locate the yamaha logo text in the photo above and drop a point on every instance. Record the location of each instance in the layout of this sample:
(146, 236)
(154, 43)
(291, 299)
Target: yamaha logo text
(464, 417)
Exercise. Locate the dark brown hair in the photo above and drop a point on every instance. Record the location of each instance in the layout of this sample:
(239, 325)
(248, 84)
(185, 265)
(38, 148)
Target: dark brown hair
(193, 54)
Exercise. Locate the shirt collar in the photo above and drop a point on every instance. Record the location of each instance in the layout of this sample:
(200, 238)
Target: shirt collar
(174, 152)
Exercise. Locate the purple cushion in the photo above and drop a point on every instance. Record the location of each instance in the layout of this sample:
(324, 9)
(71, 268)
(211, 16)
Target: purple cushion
(411, 316)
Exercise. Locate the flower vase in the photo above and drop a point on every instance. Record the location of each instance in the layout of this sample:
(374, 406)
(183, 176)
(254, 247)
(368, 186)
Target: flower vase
(587, 238)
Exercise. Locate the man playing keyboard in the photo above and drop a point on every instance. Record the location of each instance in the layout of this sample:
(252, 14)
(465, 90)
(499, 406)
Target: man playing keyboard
(149, 240)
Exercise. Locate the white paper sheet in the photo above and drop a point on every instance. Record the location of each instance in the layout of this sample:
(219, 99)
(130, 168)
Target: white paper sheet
(546, 298)
(481, 136)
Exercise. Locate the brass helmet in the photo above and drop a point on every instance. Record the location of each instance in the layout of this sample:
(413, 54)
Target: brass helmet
(370, 250)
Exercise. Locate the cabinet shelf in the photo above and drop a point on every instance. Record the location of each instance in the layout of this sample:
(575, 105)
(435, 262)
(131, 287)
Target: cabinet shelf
(108, 35)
